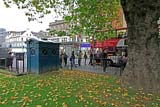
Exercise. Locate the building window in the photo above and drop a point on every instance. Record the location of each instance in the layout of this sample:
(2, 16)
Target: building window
(65, 39)
(58, 40)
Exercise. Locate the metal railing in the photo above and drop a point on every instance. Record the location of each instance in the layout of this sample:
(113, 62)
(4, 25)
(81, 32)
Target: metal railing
(19, 64)
(13, 62)
(113, 66)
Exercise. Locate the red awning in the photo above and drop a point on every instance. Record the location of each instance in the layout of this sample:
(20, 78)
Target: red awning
(107, 43)
(98, 44)
(110, 42)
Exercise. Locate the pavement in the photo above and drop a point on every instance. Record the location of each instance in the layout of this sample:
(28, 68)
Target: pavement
(93, 68)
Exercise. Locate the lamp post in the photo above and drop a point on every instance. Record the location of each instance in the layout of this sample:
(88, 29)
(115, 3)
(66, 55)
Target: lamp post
(23, 57)
(93, 42)
(93, 38)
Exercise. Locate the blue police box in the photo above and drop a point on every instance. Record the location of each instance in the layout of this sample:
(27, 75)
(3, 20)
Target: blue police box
(42, 56)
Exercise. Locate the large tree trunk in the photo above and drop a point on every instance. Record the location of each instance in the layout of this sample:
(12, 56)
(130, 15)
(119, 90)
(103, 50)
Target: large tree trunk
(143, 67)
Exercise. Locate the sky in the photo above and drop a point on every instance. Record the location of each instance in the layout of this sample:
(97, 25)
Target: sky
(13, 19)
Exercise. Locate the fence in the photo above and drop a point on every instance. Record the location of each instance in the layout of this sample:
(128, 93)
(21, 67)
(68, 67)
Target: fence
(17, 62)
(14, 62)
(113, 67)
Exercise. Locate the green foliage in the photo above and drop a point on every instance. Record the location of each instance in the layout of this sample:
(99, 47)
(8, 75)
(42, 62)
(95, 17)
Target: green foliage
(83, 16)
(101, 36)
(61, 33)
(93, 15)
(57, 33)
(52, 32)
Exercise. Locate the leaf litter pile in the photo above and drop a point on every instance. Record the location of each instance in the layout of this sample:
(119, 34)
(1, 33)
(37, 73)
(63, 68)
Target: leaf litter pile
(71, 89)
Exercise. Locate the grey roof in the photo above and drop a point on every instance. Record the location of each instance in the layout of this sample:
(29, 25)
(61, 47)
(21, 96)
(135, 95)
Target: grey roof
(56, 22)
(21, 32)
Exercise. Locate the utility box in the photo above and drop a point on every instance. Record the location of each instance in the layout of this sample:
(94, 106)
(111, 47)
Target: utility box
(42, 56)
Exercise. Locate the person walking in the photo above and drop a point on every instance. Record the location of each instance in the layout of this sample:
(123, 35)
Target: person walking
(104, 59)
(124, 62)
(91, 59)
(85, 58)
(79, 57)
(61, 58)
(72, 60)
(65, 58)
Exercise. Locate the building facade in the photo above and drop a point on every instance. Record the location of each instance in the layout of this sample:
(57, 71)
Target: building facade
(3, 34)
(41, 34)
(59, 25)
(15, 40)
(60, 39)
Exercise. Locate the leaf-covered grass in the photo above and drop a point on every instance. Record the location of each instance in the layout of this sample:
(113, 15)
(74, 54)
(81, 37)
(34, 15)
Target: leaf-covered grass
(70, 89)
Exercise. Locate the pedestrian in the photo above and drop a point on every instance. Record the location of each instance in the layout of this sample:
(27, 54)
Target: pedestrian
(72, 60)
(104, 59)
(97, 57)
(85, 57)
(124, 62)
(61, 58)
(65, 58)
(91, 58)
(79, 57)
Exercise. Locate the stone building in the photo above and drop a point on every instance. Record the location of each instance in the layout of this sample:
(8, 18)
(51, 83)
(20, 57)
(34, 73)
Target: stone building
(59, 25)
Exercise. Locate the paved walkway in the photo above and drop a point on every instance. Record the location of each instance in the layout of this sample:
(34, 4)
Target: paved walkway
(95, 69)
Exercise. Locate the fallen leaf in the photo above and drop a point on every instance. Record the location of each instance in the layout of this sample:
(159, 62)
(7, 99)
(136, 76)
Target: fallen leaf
(39, 106)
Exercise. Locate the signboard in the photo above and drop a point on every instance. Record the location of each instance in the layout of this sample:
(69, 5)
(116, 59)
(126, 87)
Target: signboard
(86, 45)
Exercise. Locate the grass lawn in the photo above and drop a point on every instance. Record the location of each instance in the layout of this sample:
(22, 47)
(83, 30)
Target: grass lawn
(70, 89)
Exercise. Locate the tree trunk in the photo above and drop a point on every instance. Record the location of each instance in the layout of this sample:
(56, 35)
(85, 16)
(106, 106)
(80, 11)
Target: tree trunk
(143, 67)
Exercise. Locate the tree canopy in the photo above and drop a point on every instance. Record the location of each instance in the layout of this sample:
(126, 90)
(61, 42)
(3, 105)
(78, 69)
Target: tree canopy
(83, 16)
(58, 33)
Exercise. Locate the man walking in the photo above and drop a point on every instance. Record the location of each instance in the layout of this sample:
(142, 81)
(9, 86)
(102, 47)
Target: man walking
(79, 57)
(104, 59)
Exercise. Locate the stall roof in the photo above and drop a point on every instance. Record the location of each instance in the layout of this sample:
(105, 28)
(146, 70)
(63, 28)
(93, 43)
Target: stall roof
(97, 44)
(115, 42)
(40, 40)
(111, 42)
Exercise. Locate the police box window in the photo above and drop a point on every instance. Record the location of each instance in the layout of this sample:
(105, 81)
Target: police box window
(33, 51)
(53, 51)
(44, 51)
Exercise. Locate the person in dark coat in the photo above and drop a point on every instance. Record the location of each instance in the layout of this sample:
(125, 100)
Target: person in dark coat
(72, 59)
(65, 59)
(104, 59)
(85, 58)
(61, 58)
(79, 57)
(91, 58)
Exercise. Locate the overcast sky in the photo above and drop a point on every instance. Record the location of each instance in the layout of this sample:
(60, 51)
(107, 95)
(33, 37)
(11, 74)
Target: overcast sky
(15, 20)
